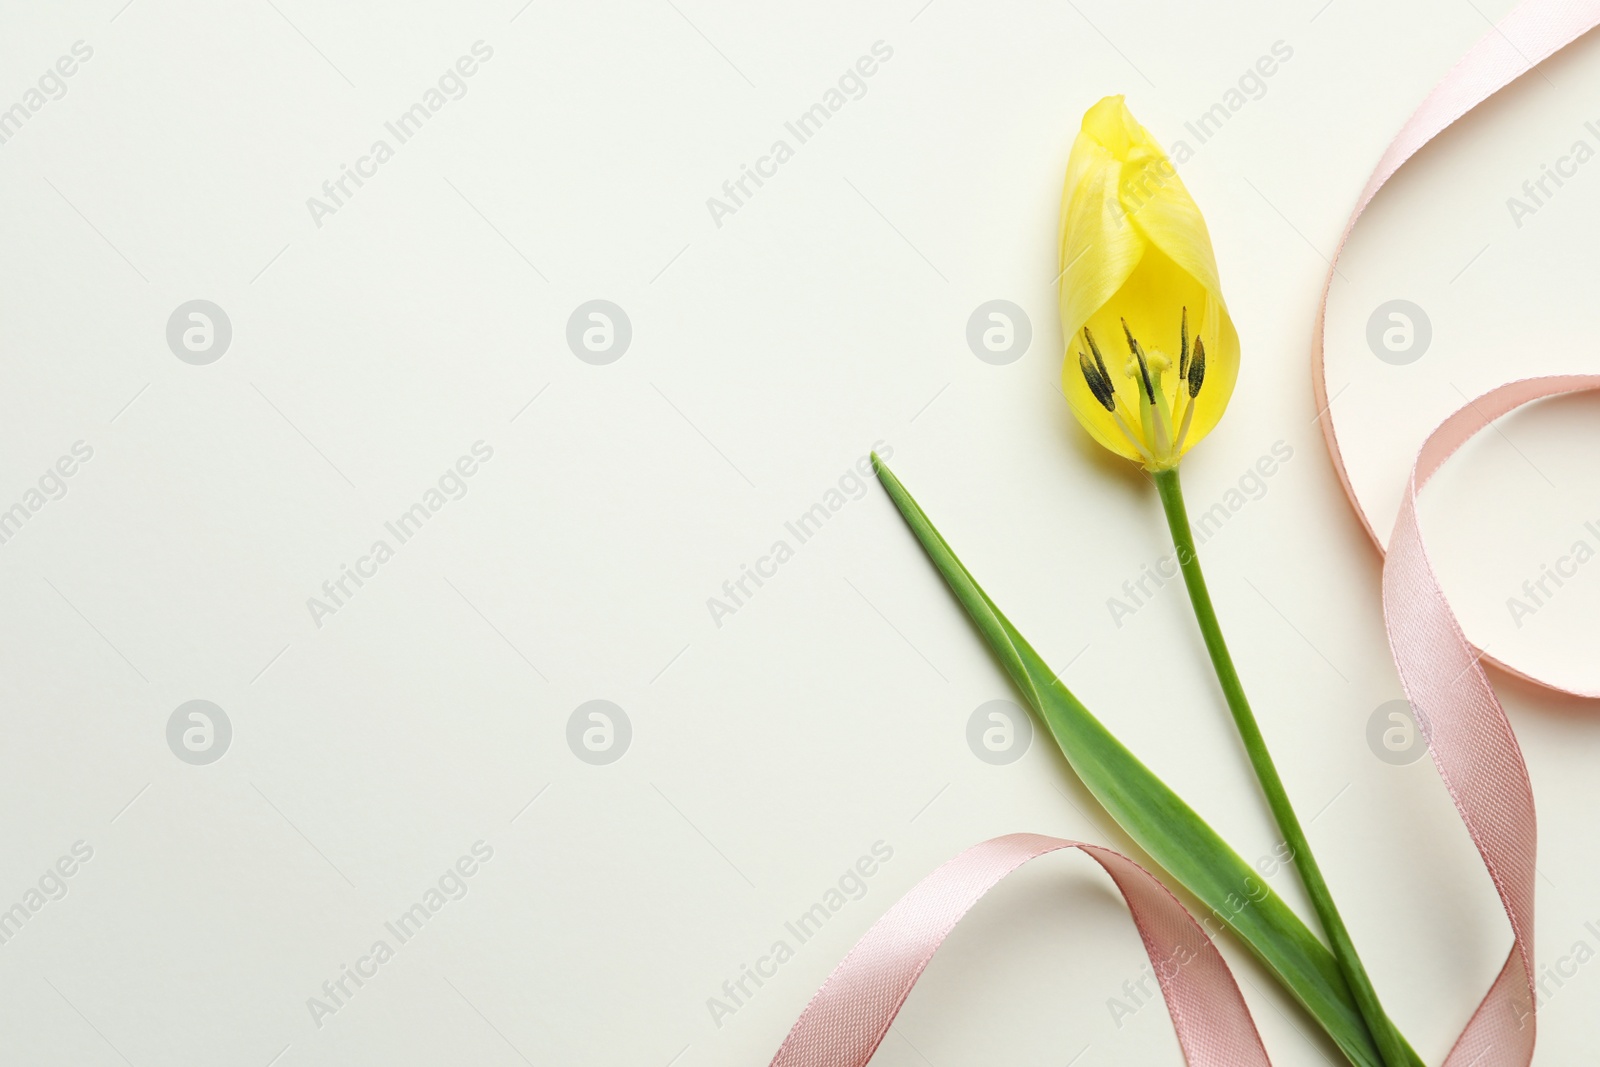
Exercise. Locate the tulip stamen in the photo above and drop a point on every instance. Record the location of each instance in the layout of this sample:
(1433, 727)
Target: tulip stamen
(1155, 416)
(1144, 367)
(1102, 389)
(1183, 346)
(1183, 431)
(1104, 392)
(1185, 361)
(1099, 360)
(1133, 439)
(1159, 384)
(1197, 369)
(1105, 376)
(1191, 384)
(1191, 375)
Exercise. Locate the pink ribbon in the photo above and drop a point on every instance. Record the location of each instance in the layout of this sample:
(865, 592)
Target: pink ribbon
(1441, 671)
(1468, 734)
(1467, 731)
(848, 1018)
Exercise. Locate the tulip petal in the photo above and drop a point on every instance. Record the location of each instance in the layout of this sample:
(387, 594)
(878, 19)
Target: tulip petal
(1134, 247)
(1170, 220)
(1099, 248)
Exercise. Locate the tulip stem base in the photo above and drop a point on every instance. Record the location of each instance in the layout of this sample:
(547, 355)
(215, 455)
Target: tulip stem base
(1393, 1047)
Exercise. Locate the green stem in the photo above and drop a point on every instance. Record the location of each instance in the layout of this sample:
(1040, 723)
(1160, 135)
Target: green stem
(1390, 1043)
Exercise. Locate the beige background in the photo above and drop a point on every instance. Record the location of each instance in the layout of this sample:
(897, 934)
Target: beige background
(829, 311)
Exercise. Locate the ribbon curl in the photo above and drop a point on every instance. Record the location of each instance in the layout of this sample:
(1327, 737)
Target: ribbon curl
(1441, 671)
(848, 1018)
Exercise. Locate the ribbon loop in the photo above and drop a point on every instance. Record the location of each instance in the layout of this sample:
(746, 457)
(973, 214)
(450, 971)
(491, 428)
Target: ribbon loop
(849, 1016)
(1441, 671)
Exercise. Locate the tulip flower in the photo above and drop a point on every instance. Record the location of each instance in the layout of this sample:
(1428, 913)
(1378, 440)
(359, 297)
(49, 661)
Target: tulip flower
(1151, 359)
(1151, 352)
(1138, 273)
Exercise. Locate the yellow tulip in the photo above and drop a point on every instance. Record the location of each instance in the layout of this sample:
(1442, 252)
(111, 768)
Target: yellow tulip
(1151, 353)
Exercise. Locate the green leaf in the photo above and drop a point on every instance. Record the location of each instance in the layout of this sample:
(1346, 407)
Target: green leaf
(1156, 817)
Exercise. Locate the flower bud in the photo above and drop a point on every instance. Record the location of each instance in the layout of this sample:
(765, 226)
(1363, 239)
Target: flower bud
(1151, 352)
